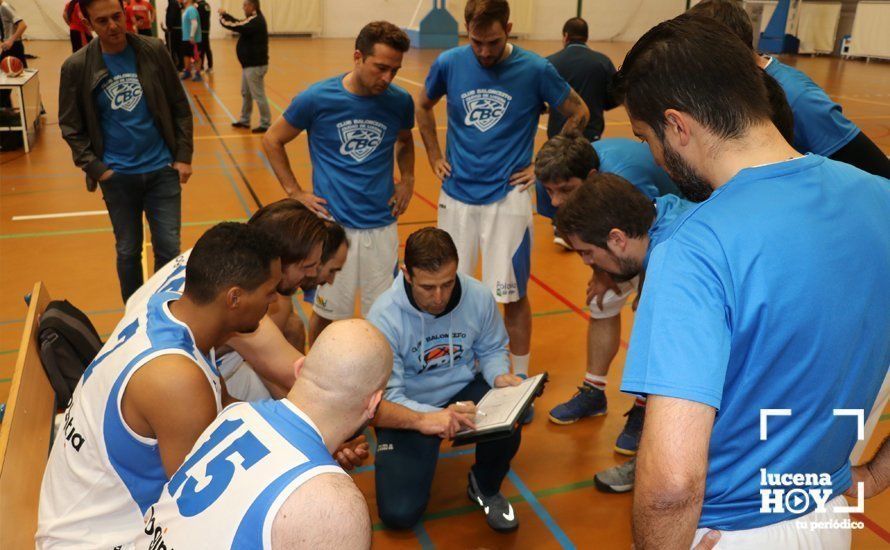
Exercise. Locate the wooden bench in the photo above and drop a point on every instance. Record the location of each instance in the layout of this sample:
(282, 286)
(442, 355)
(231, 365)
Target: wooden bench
(25, 435)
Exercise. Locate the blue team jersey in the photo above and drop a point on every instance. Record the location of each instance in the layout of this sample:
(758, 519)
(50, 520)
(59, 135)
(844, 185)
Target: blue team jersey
(231, 486)
(493, 116)
(632, 160)
(746, 307)
(351, 144)
(667, 209)
(820, 126)
(132, 142)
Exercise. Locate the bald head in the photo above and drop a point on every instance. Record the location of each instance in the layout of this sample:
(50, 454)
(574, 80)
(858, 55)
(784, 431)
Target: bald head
(349, 361)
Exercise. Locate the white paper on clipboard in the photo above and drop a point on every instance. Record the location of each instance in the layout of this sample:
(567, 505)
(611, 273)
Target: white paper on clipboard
(500, 407)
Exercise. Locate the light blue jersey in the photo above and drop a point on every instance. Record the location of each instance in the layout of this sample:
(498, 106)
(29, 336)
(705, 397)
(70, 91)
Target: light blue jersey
(632, 160)
(667, 209)
(351, 144)
(239, 473)
(191, 19)
(747, 306)
(101, 476)
(820, 126)
(493, 117)
(434, 357)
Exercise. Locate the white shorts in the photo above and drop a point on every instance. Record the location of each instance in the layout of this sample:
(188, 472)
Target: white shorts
(370, 267)
(502, 231)
(798, 533)
(241, 380)
(876, 411)
(612, 303)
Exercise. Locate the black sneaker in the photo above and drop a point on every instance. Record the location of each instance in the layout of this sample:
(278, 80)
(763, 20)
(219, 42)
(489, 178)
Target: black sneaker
(240, 124)
(259, 130)
(498, 512)
(629, 439)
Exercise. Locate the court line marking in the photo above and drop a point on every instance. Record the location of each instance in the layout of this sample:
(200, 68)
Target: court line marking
(228, 174)
(542, 512)
(409, 81)
(221, 104)
(64, 232)
(60, 215)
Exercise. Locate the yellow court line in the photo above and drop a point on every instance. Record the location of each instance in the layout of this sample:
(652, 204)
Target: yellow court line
(229, 136)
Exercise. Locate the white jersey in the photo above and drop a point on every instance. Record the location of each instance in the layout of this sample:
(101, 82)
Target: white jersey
(101, 476)
(170, 277)
(239, 473)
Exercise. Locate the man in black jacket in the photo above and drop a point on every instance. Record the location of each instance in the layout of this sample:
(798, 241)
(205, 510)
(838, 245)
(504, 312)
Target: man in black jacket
(206, 14)
(253, 54)
(128, 123)
(588, 72)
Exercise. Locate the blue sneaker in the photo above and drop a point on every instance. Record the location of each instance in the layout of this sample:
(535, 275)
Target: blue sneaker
(629, 439)
(185, 75)
(589, 401)
(197, 77)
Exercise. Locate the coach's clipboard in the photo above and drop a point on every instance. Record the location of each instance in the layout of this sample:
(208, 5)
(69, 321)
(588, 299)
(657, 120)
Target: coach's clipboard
(503, 409)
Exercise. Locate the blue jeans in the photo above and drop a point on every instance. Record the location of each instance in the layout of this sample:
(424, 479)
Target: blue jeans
(127, 196)
(406, 463)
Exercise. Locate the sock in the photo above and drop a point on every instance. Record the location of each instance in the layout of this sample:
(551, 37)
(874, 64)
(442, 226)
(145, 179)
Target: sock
(520, 364)
(596, 381)
(640, 402)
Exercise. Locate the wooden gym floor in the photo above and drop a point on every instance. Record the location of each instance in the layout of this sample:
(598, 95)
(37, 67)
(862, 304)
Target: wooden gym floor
(551, 481)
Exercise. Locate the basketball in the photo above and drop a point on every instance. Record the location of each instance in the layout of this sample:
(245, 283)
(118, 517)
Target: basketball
(11, 66)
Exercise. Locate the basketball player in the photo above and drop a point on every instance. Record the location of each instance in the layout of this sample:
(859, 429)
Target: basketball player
(561, 165)
(357, 123)
(496, 91)
(260, 364)
(261, 476)
(728, 318)
(449, 347)
(152, 390)
(820, 126)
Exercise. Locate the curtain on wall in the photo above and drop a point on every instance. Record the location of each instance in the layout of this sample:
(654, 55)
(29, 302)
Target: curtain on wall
(818, 26)
(871, 37)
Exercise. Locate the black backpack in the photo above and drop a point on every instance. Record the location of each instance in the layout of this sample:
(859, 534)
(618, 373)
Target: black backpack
(68, 344)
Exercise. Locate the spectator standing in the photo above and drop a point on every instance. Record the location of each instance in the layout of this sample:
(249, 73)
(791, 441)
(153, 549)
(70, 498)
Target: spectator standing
(191, 41)
(77, 31)
(253, 54)
(142, 13)
(129, 125)
(205, 13)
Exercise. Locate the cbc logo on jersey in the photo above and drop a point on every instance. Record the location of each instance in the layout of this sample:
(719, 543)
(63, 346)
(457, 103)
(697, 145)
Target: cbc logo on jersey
(124, 91)
(359, 138)
(799, 493)
(485, 108)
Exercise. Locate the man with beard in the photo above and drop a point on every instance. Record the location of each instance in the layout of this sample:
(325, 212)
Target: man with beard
(287, 492)
(260, 364)
(495, 93)
(358, 123)
(151, 391)
(561, 165)
(820, 126)
(735, 315)
(449, 348)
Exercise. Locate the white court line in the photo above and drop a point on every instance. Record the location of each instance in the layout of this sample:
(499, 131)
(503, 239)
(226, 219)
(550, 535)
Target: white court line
(60, 215)
(403, 79)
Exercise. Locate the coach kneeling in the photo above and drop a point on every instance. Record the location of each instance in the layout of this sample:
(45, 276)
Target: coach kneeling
(449, 349)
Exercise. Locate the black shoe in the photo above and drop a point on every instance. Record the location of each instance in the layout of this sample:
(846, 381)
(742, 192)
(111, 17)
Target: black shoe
(259, 130)
(240, 124)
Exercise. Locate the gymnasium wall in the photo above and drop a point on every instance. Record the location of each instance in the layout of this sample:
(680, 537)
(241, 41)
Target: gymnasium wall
(536, 19)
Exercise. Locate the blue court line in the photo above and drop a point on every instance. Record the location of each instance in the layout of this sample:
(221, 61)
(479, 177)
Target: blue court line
(262, 154)
(219, 101)
(228, 174)
(299, 309)
(426, 543)
(542, 512)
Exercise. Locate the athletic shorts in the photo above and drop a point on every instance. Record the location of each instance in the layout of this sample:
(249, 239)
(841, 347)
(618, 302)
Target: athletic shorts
(612, 303)
(370, 268)
(241, 380)
(502, 232)
(800, 533)
(876, 411)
